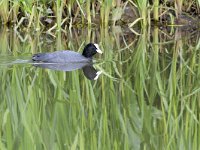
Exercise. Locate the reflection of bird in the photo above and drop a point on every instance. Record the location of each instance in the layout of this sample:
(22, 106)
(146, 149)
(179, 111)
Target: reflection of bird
(89, 71)
(67, 60)
(67, 56)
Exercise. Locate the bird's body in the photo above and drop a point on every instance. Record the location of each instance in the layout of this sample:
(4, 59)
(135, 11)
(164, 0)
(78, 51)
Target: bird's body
(68, 56)
(63, 66)
(64, 56)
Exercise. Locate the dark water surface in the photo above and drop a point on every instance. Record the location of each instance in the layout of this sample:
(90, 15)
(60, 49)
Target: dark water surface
(146, 95)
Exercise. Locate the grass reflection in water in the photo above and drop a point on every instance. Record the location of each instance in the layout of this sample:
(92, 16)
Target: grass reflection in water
(146, 97)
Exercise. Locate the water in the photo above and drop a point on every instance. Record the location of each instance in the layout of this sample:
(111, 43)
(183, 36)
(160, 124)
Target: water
(146, 95)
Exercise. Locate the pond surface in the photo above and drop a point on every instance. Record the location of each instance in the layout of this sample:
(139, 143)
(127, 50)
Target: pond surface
(146, 95)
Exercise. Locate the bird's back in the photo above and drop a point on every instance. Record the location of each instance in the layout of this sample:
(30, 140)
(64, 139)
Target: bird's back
(64, 56)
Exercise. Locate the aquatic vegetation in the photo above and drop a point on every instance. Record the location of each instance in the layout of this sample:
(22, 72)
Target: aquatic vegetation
(60, 15)
(146, 98)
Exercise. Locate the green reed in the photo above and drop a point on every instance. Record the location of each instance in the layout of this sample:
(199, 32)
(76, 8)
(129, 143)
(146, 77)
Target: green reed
(156, 10)
(142, 8)
(4, 13)
(146, 98)
(59, 15)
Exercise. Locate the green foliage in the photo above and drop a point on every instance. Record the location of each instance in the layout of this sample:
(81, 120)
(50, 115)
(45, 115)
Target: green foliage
(146, 98)
(61, 14)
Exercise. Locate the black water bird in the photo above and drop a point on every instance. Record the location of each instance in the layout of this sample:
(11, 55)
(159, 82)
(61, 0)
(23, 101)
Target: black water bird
(67, 60)
(68, 56)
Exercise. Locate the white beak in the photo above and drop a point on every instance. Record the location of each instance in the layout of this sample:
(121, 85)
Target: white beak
(98, 49)
(97, 75)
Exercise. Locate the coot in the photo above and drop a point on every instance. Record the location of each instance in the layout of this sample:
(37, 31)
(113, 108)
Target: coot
(67, 56)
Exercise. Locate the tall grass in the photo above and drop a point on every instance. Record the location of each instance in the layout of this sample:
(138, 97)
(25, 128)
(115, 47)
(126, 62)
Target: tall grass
(146, 98)
(59, 15)
(142, 7)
